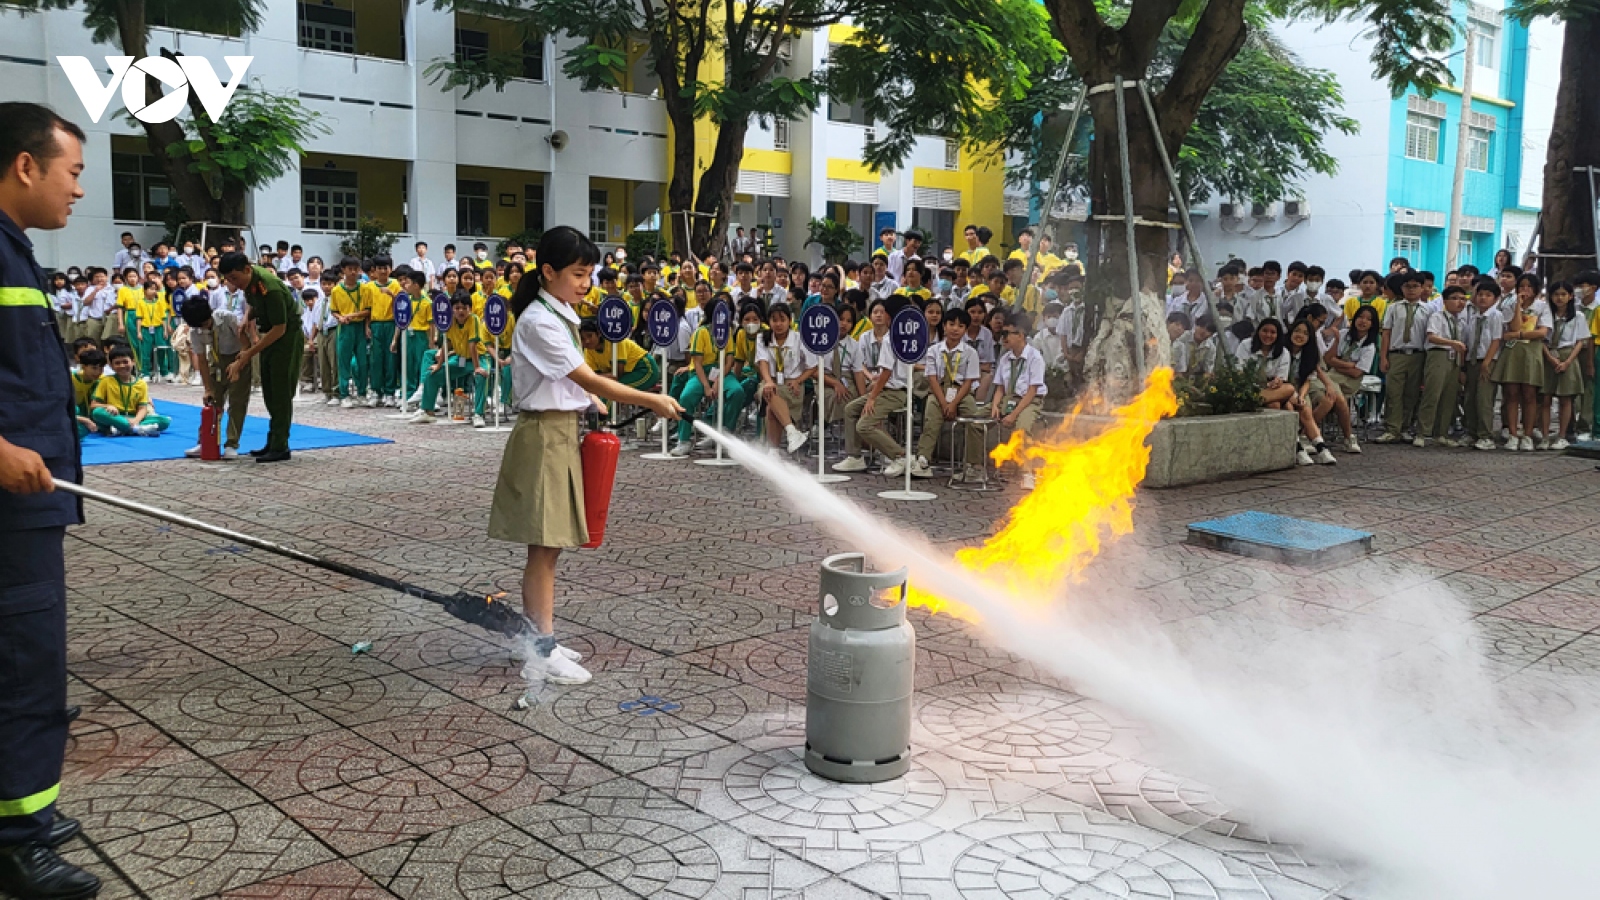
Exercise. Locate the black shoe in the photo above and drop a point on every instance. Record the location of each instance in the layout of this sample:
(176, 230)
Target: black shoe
(73, 712)
(63, 829)
(36, 872)
(273, 456)
(259, 453)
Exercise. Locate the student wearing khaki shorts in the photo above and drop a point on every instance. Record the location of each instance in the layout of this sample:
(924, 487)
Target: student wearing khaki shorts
(1018, 391)
(783, 365)
(538, 500)
(1484, 326)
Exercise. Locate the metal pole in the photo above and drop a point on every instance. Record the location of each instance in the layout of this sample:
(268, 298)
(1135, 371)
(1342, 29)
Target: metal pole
(405, 399)
(1182, 204)
(1130, 231)
(1458, 183)
(1055, 187)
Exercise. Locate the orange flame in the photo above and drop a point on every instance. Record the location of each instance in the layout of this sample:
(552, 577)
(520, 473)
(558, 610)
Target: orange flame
(1083, 489)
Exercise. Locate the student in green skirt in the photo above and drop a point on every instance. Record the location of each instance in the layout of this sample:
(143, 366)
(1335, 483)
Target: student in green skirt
(1563, 371)
(1519, 369)
(538, 500)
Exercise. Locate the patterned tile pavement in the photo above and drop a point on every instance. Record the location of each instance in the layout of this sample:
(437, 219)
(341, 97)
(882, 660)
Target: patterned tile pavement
(232, 745)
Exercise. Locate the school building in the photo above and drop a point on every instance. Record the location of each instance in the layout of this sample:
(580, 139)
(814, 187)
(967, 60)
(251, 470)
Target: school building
(1391, 195)
(443, 167)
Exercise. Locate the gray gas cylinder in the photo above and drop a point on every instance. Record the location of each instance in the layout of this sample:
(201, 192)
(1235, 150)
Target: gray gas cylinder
(859, 674)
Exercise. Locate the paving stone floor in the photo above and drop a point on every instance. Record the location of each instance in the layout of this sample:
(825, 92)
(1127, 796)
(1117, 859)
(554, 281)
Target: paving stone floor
(231, 744)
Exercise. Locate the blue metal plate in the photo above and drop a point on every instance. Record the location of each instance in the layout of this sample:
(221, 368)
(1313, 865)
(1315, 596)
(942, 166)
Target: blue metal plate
(1280, 537)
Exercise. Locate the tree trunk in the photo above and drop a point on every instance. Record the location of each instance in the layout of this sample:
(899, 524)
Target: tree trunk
(680, 188)
(717, 185)
(1568, 207)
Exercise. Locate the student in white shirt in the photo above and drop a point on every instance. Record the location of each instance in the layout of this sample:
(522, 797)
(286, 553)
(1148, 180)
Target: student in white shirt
(1019, 388)
(1441, 373)
(1178, 332)
(1265, 349)
(1519, 368)
(1303, 361)
(215, 339)
(783, 365)
(1401, 356)
(538, 500)
(881, 285)
(423, 264)
(881, 388)
(1204, 347)
(1483, 328)
(952, 371)
(1563, 375)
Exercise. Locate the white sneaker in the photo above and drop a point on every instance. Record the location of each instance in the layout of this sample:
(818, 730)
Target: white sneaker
(230, 453)
(1027, 481)
(1544, 444)
(1505, 434)
(1527, 445)
(347, 403)
(921, 469)
(655, 430)
(682, 448)
(1538, 435)
(1419, 442)
(1324, 457)
(370, 402)
(1585, 436)
(558, 669)
(423, 417)
(193, 452)
(1513, 443)
(416, 397)
(1302, 458)
(333, 401)
(147, 430)
(1484, 444)
(850, 464)
(896, 468)
(478, 422)
(1352, 445)
(1559, 444)
(568, 652)
(974, 475)
(705, 443)
(797, 438)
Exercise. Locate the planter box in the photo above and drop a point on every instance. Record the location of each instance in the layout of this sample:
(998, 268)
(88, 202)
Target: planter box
(1198, 449)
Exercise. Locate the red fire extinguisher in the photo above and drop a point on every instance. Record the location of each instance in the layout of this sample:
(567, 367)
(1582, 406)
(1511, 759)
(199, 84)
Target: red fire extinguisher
(599, 452)
(210, 418)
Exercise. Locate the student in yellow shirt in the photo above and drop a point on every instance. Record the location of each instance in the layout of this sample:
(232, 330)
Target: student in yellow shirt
(744, 346)
(155, 333)
(911, 287)
(85, 378)
(1369, 285)
(1032, 302)
(129, 294)
(120, 404)
(419, 336)
(351, 304)
(465, 342)
(701, 386)
(1024, 241)
(636, 368)
(383, 363)
(977, 237)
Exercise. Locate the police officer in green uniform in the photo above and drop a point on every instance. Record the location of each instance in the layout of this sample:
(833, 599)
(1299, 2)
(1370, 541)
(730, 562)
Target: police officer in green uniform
(41, 156)
(276, 315)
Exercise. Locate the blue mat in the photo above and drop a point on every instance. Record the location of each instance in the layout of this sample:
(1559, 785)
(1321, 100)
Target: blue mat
(1282, 538)
(185, 431)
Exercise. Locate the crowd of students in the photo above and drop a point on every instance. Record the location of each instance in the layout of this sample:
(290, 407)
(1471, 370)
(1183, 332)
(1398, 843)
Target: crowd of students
(1430, 359)
(1427, 359)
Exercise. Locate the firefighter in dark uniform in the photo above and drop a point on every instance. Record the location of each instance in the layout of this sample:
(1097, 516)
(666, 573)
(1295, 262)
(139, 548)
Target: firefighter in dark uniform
(276, 315)
(41, 156)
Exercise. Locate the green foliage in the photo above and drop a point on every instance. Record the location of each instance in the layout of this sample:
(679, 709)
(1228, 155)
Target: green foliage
(1233, 388)
(528, 238)
(369, 239)
(259, 139)
(910, 68)
(177, 215)
(1409, 37)
(1526, 11)
(837, 239)
(645, 243)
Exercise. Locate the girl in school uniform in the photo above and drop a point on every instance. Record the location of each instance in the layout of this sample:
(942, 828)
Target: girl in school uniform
(1266, 351)
(784, 365)
(1310, 387)
(1563, 376)
(1519, 369)
(538, 500)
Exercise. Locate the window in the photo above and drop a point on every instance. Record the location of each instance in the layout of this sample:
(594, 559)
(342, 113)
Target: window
(780, 134)
(1486, 44)
(533, 59)
(1422, 137)
(1408, 241)
(952, 154)
(327, 28)
(329, 200)
(471, 46)
(533, 207)
(1464, 250)
(472, 208)
(139, 188)
(1478, 148)
(597, 216)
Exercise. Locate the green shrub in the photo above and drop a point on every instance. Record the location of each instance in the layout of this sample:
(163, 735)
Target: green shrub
(369, 239)
(645, 243)
(1234, 387)
(528, 238)
(837, 239)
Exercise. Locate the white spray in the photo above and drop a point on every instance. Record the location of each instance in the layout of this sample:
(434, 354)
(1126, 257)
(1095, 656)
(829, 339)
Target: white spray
(1399, 758)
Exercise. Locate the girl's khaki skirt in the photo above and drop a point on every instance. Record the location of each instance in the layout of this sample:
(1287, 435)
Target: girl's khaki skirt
(1563, 384)
(1520, 363)
(538, 500)
(794, 395)
(1348, 385)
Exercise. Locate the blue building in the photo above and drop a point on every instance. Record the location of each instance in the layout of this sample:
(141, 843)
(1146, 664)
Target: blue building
(1391, 196)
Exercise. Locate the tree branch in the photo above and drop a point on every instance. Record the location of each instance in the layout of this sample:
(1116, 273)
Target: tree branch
(1079, 28)
(1146, 20)
(1218, 35)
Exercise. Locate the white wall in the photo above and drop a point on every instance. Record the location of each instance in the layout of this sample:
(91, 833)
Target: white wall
(1348, 209)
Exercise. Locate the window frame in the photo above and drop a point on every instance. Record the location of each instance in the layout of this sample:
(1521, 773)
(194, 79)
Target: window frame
(1423, 124)
(340, 200)
(529, 203)
(146, 173)
(475, 52)
(466, 207)
(1476, 138)
(1486, 45)
(602, 206)
(309, 41)
(1411, 236)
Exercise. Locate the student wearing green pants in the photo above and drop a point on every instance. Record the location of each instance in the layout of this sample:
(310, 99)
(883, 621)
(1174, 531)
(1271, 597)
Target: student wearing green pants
(464, 341)
(418, 338)
(383, 361)
(120, 404)
(278, 346)
(636, 368)
(351, 304)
